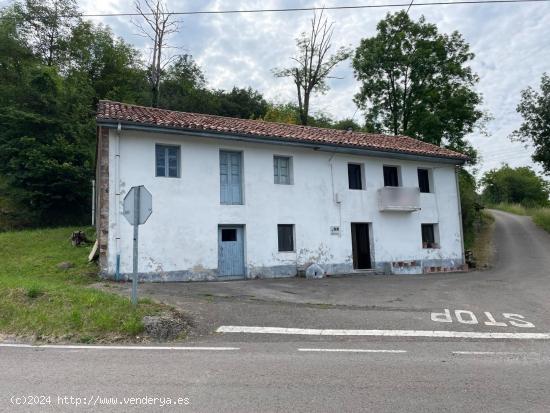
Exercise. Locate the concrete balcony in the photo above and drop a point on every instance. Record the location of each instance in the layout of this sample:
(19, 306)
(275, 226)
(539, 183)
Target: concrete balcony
(399, 199)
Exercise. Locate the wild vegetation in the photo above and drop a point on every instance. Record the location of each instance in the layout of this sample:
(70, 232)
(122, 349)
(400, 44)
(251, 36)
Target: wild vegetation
(518, 191)
(46, 294)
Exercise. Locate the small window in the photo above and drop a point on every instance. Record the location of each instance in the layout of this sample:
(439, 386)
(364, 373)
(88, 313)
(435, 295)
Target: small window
(229, 234)
(424, 180)
(355, 176)
(167, 160)
(429, 236)
(286, 237)
(391, 176)
(282, 170)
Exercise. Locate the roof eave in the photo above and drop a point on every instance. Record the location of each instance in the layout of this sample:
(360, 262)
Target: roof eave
(325, 147)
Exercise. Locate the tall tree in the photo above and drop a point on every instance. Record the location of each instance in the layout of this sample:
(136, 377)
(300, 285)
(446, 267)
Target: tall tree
(49, 24)
(313, 62)
(158, 24)
(416, 81)
(112, 67)
(535, 129)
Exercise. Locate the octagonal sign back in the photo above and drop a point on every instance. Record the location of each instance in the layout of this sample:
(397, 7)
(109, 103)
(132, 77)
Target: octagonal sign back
(145, 205)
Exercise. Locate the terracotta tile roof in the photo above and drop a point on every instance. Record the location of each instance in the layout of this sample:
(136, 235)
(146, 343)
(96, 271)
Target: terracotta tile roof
(125, 113)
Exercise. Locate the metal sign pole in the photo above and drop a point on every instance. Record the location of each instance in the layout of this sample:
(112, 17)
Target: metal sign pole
(136, 226)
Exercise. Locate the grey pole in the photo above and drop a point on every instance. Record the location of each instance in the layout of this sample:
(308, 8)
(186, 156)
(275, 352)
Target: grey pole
(136, 226)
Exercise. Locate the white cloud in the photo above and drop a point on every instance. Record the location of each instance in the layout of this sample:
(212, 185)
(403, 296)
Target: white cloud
(510, 42)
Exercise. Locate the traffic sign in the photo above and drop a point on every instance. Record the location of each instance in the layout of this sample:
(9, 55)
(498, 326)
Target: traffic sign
(144, 205)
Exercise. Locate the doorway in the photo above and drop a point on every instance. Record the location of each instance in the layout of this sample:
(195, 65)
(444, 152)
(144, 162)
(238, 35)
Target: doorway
(231, 251)
(360, 242)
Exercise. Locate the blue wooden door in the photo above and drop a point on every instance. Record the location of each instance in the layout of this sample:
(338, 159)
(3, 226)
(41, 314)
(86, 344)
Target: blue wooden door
(231, 251)
(231, 178)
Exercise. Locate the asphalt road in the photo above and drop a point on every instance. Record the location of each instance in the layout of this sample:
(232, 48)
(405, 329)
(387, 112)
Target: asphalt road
(277, 372)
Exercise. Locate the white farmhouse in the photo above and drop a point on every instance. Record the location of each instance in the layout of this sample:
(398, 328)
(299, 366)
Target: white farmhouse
(235, 198)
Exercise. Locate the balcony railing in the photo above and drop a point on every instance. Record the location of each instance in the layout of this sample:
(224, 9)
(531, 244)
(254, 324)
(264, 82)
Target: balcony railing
(399, 198)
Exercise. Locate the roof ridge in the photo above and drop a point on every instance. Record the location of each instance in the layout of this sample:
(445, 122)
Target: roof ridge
(341, 131)
(160, 117)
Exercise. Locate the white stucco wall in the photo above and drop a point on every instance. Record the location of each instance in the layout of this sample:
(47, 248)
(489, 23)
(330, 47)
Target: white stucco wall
(182, 232)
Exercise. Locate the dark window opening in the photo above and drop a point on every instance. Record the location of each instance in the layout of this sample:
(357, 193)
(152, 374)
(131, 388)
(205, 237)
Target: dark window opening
(354, 176)
(391, 176)
(286, 237)
(424, 180)
(428, 236)
(229, 234)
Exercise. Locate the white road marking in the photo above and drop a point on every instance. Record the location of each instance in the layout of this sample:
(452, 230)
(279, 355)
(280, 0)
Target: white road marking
(350, 350)
(84, 347)
(381, 333)
(491, 353)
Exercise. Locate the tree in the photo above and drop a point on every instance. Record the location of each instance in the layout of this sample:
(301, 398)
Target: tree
(515, 185)
(313, 63)
(535, 109)
(112, 67)
(49, 23)
(417, 82)
(159, 25)
(347, 124)
(245, 103)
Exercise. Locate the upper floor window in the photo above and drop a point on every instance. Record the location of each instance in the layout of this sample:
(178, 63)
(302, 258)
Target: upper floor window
(355, 176)
(391, 175)
(167, 160)
(231, 188)
(282, 170)
(424, 180)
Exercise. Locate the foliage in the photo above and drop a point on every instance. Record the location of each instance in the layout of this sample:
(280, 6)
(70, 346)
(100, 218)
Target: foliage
(313, 63)
(535, 129)
(469, 204)
(540, 215)
(515, 185)
(48, 24)
(416, 81)
(42, 300)
(347, 124)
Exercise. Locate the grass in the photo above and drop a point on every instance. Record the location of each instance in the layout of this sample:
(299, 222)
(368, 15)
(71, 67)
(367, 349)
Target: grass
(540, 215)
(481, 244)
(40, 300)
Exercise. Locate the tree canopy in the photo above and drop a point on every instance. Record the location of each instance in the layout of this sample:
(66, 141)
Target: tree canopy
(416, 81)
(515, 185)
(534, 107)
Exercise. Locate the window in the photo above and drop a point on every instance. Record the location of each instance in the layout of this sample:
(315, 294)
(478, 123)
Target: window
(391, 176)
(282, 170)
(355, 176)
(231, 191)
(430, 236)
(286, 237)
(229, 234)
(167, 160)
(424, 180)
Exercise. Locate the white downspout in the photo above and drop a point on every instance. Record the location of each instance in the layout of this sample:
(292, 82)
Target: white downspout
(117, 200)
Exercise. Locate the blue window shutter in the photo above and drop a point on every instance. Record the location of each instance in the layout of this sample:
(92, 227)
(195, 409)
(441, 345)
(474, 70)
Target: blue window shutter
(236, 191)
(160, 160)
(224, 179)
(230, 178)
(172, 158)
(276, 169)
(281, 170)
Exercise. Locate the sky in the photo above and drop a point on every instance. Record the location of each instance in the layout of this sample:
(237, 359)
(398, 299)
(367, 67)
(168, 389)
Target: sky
(511, 43)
